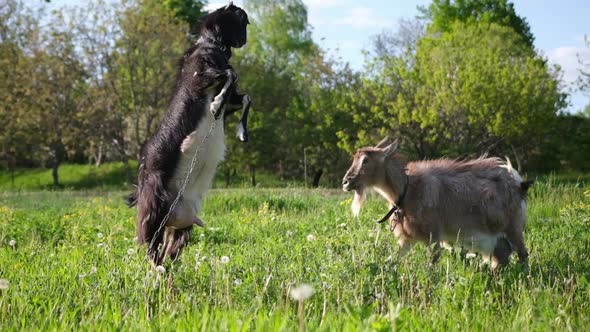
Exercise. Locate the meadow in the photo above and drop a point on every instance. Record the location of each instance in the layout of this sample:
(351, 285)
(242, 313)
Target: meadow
(69, 262)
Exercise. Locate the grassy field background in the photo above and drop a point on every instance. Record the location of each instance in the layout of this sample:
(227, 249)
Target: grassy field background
(71, 263)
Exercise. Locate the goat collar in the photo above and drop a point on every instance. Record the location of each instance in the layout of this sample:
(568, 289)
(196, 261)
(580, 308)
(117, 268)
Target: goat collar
(397, 207)
(216, 43)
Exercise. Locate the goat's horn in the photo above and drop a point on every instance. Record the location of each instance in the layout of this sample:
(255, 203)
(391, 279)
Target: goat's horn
(384, 142)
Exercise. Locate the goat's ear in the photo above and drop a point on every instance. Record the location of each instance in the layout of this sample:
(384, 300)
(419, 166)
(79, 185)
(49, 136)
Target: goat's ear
(384, 142)
(229, 5)
(391, 148)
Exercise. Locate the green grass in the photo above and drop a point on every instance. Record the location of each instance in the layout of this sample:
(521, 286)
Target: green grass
(113, 176)
(109, 176)
(74, 266)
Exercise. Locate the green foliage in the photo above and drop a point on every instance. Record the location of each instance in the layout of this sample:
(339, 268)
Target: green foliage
(443, 14)
(144, 72)
(190, 11)
(74, 265)
(476, 88)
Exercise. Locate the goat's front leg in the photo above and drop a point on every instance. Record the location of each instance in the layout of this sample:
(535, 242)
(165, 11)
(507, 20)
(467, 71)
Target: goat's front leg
(236, 102)
(220, 100)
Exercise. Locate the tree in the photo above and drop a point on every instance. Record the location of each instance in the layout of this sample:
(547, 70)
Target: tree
(60, 82)
(189, 11)
(473, 89)
(279, 45)
(19, 32)
(144, 66)
(444, 13)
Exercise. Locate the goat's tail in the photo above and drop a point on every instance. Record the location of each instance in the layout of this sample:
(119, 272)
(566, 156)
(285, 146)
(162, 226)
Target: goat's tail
(152, 201)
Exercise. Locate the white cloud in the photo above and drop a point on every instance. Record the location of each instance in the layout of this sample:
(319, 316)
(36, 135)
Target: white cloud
(568, 58)
(362, 17)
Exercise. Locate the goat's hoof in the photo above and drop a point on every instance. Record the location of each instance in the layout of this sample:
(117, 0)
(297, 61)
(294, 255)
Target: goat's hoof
(215, 109)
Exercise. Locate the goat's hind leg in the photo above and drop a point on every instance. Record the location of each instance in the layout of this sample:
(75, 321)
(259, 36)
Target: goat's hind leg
(501, 255)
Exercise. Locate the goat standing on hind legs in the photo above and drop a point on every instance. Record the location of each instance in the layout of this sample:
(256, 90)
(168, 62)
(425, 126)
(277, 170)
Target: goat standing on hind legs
(477, 204)
(193, 127)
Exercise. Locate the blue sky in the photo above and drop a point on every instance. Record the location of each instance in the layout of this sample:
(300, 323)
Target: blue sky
(346, 28)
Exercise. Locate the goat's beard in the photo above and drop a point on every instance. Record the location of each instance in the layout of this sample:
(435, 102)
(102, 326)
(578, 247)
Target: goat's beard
(358, 201)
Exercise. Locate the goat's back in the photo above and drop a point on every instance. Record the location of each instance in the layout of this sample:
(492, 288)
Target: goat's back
(475, 194)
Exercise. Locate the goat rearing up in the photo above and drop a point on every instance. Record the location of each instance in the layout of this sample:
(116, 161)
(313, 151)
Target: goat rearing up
(477, 204)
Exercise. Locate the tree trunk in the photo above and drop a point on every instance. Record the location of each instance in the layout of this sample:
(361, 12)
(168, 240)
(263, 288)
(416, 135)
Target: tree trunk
(57, 151)
(130, 178)
(316, 178)
(55, 174)
(99, 155)
(253, 176)
(227, 177)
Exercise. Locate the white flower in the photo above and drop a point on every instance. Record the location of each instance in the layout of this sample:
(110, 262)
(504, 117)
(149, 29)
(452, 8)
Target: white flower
(100, 245)
(202, 236)
(204, 258)
(93, 270)
(224, 260)
(301, 292)
(237, 282)
(310, 237)
(160, 269)
(342, 225)
(470, 255)
(100, 235)
(12, 243)
(289, 234)
(130, 251)
(4, 284)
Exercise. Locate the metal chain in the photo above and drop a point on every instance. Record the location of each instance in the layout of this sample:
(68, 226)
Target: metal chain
(184, 184)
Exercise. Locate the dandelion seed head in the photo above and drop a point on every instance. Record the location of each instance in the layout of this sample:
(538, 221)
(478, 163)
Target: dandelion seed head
(160, 269)
(202, 236)
(12, 243)
(289, 234)
(93, 270)
(4, 284)
(310, 237)
(100, 235)
(301, 292)
(224, 260)
(237, 282)
(130, 251)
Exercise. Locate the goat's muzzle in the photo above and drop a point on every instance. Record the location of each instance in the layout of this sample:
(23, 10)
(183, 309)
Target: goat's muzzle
(347, 184)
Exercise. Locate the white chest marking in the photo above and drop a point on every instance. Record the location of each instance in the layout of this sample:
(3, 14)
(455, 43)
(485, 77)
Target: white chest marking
(210, 154)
